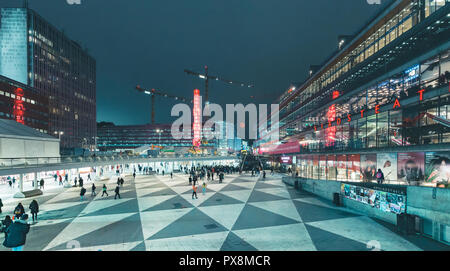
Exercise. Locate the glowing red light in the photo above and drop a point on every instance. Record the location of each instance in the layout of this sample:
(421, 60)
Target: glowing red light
(197, 119)
(18, 108)
(335, 94)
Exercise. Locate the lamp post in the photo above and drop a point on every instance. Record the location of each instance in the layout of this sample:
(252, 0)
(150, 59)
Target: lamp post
(59, 133)
(159, 131)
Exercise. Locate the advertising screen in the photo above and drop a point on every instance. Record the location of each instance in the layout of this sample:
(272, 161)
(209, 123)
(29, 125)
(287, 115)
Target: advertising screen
(368, 167)
(387, 162)
(410, 168)
(437, 168)
(381, 200)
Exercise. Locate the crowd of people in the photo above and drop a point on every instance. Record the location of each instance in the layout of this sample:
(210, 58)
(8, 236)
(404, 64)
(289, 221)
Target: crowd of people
(16, 227)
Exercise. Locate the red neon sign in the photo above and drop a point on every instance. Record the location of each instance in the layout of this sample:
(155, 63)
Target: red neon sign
(18, 108)
(197, 119)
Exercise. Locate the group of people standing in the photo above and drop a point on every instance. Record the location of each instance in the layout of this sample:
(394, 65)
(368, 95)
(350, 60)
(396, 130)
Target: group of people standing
(17, 227)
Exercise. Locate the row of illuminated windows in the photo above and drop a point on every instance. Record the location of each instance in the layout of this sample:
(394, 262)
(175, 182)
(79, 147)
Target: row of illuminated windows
(13, 96)
(29, 121)
(407, 127)
(429, 74)
(390, 31)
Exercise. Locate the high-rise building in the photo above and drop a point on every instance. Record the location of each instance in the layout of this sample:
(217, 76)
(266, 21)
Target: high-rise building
(382, 101)
(37, 54)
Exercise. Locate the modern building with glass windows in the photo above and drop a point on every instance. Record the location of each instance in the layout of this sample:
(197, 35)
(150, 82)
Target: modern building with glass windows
(23, 104)
(128, 137)
(36, 54)
(382, 101)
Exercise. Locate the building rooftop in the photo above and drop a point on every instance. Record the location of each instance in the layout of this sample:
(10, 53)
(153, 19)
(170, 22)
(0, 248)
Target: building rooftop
(11, 128)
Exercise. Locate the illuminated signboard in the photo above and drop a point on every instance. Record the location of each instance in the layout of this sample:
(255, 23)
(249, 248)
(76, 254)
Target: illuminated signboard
(18, 108)
(412, 73)
(286, 159)
(197, 125)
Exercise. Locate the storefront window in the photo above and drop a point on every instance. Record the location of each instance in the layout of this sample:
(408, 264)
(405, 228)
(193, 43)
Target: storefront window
(354, 168)
(316, 167)
(411, 128)
(341, 168)
(353, 134)
(372, 131)
(382, 130)
(331, 167)
(395, 128)
(322, 167)
(362, 134)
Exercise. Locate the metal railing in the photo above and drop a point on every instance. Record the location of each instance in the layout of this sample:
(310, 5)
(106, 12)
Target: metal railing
(6, 163)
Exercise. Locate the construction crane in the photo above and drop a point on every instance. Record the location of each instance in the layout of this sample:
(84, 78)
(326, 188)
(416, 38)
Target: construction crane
(207, 77)
(153, 92)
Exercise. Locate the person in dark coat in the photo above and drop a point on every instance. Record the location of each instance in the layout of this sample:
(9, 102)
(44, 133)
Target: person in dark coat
(117, 191)
(41, 184)
(16, 234)
(93, 194)
(34, 208)
(6, 223)
(80, 182)
(1, 205)
(105, 190)
(82, 192)
(121, 182)
(19, 210)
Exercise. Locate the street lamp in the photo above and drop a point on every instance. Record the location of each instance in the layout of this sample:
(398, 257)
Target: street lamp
(158, 131)
(59, 133)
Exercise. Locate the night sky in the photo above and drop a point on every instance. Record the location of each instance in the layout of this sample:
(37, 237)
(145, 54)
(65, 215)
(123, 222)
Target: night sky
(269, 43)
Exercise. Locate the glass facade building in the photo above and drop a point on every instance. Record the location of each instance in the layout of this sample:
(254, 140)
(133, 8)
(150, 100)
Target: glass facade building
(23, 104)
(35, 53)
(381, 101)
(127, 137)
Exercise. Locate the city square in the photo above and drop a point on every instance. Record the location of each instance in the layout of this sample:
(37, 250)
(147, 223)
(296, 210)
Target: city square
(233, 126)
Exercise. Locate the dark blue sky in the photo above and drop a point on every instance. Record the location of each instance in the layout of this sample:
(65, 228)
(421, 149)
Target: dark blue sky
(269, 43)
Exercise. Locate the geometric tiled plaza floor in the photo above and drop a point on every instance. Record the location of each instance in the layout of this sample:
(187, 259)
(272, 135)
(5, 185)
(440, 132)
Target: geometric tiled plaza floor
(157, 213)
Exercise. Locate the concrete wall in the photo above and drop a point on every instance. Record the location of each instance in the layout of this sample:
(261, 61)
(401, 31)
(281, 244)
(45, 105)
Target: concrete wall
(28, 148)
(420, 202)
(326, 189)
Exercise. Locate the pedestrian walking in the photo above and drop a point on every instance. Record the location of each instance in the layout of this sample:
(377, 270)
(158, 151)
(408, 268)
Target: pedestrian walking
(80, 182)
(194, 192)
(380, 176)
(89, 177)
(16, 234)
(104, 191)
(82, 192)
(134, 175)
(93, 194)
(171, 175)
(18, 211)
(41, 184)
(1, 205)
(204, 188)
(34, 209)
(75, 181)
(5, 224)
(122, 181)
(117, 191)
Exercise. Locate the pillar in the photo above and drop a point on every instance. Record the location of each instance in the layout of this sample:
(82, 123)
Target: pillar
(21, 183)
(35, 181)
